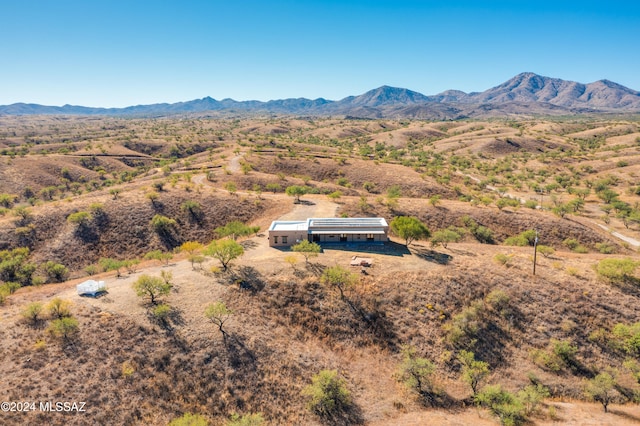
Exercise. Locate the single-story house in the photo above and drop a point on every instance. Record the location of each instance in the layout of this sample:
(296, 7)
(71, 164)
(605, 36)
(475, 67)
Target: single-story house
(328, 230)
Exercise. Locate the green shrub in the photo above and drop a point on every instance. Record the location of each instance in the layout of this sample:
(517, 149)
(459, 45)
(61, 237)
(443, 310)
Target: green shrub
(162, 224)
(546, 251)
(56, 272)
(626, 337)
(499, 301)
(64, 328)
(617, 270)
(188, 419)
(558, 355)
(327, 393)
(526, 238)
(161, 312)
(32, 312)
(417, 373)
(605, 248)
(503, 259)
(464, 326)
(80, 218)
(250, 419)
(503, 404)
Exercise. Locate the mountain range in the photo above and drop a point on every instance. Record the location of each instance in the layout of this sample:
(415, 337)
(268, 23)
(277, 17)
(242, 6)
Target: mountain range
(525, 94)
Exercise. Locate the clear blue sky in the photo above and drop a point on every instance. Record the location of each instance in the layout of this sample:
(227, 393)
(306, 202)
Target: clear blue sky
(115, 53)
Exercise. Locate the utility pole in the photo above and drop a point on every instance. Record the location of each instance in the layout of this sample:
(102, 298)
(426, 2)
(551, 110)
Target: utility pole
(535, 252)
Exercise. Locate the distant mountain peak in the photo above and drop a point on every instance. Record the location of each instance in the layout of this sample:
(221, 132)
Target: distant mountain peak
(525, 93)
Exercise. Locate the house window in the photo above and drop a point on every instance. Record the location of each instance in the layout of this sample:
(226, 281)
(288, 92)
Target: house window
(275, 239)
(369, 237)
(284, 239)
(343, 237)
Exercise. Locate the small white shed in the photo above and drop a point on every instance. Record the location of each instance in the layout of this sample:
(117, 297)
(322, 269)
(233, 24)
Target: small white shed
(91, 288)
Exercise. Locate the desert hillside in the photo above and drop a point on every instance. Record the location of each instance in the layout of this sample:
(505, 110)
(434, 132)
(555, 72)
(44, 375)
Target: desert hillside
(124, 200)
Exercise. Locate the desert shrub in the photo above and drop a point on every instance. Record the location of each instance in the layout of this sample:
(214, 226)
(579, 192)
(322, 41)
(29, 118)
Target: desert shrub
(531, 204)
(192, 207)
(59, 308)
(417, 373)
(162, 224)
(4, 293)
(234, 230)
(546, 251)
(503, 404)
(369, 186)
(225, 251)
(32, 312)
(335, 195)
(151, 287)
(601, 388)
(605, 248)
(445, 236)
(218, 313)
(161, 312)
(473, 371)
(499, 301)
(10, 287)
(188, 419)
(575, 246)
(617, 270)
(56, 272)
(507, 202)
(327, 393)
(273, 187)
(161, 256)
(7, 200)
(296, 191)
(108, 264)
(65, 328)
(503, 259)
(131, 265)
(531, 397)
(464, 326)
(526, 238)
(409, 229)
(15, 267)
(250, 419)
(307, 249)
(626, 337)
(481, 233)
(558, 355)
(80, 218)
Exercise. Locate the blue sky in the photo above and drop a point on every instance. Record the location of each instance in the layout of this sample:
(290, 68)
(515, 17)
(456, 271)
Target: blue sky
(117, 53)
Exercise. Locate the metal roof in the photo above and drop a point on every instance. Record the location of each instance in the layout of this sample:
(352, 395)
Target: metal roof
(347, 222)
(333, 225)
(324, 231)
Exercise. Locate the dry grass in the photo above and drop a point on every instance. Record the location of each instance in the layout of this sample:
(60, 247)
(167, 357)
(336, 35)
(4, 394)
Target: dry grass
(286, 325)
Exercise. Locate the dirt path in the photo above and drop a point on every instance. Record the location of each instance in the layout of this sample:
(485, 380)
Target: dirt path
(311, 206)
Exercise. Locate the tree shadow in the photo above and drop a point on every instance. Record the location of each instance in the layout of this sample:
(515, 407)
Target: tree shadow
(249, 279)
(315, 268)
(432, 256)
(351, 414)
(240, 356)
(248, 244)
(628, 416)
(87, 234)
